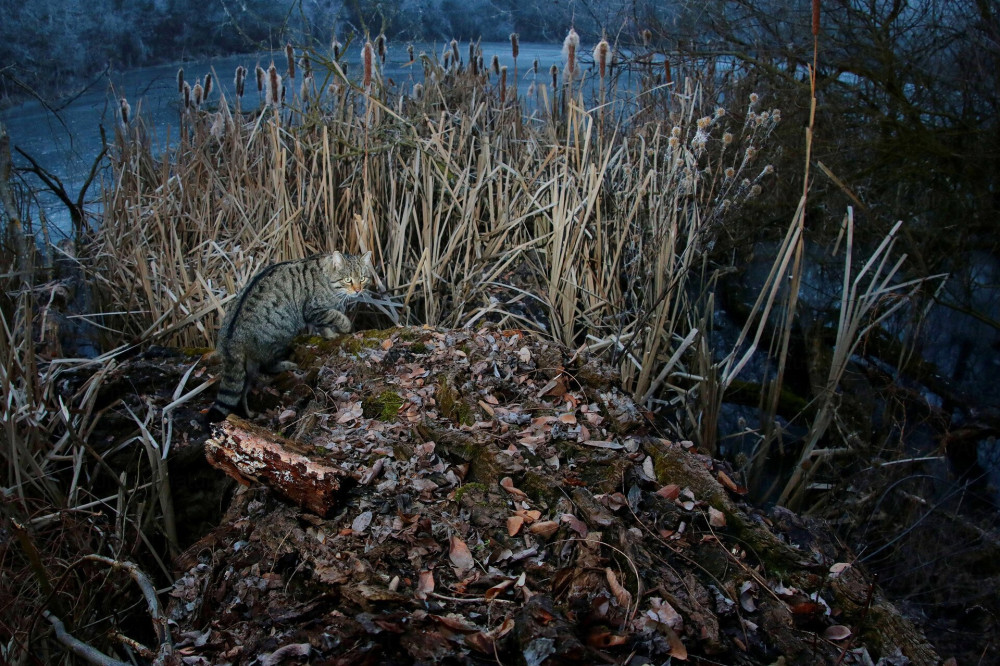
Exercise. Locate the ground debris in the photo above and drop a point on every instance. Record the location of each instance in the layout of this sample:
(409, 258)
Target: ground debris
(473, 518)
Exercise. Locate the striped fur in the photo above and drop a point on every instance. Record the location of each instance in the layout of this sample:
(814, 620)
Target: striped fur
(275, 306)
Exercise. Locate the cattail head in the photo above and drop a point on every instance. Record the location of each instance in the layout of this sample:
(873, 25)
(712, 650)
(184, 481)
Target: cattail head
(666, 72)
(367, 59)
(241, 77)
(534, 67)
(208, 85)
(307, 84)
(454, 52)
(647, 37)
(446, 59)
(126, 111)
(570, 45)
(602, 55)
(515, 46)
(815, 18)
(495, 64)
(418, 91)
(380, 46)
(180, 80)
(290, 57)
(409, 52)
(306, 66)
(260, 78)
(274, 87)
(473, 62)
(503, 84)
(554, 71)
(336, 46)
(187, 96)
(197, 94)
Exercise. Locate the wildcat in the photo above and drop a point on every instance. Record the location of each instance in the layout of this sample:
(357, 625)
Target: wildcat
(274, 306)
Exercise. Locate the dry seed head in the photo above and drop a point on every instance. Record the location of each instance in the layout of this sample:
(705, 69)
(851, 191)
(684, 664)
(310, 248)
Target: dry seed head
(336, 46)
(260, 78)
(241, 77)
(754, 191)
(290, 56)
(418, 91)
(126, 111)
(307, 82)
(380, 46)
(666, 72)
(446, 59)
(554, 71)
(305, 66)
(208, 85)
(750, 154)
(515, 45)
(180, 80)
(187, 96)
(764, 115)
(674, 142)
(727, 138)
(531, 89)
(454, 52)
(274, 87)
(754, 98)
(815, 18)
(647, 37)
(409, 52)
(367, 57)
(768, 170)
(197, 94)
(534, 67)
(495, 64)
(704, 122)
(776, 116)
(570, 44)
(730, 172)
(676, 131)
(719, 112)
(503, 84)
(602, 54)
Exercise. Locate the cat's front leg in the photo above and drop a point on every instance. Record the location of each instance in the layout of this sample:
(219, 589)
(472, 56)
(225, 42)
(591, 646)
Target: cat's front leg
(329, 323)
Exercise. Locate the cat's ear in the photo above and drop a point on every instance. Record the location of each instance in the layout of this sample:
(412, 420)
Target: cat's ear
(366, 259)
(338, 260)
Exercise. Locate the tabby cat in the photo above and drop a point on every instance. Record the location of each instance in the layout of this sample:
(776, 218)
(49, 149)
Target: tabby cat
(279, 302)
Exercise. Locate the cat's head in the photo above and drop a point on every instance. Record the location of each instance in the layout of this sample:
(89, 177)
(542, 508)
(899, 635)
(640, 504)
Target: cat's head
(353, 271)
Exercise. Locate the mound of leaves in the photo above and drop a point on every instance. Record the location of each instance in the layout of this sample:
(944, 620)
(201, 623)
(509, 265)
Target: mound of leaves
(425, 496)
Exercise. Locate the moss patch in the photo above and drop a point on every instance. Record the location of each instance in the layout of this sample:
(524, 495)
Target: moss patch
(450, 402)
(383, 407)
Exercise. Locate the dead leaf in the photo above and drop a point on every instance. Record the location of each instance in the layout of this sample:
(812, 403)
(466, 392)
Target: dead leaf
(507, 484)
(602, 444)
(747, 596)
(839, 568)
(602, 638)
(837, 632)
(622, 596)
(514, 524)
(460, 555)
(361, 523)
(716, 518)
(575, 524)
(387, 343)
(544, 529)
(492, 593)
(670, 492)
(425, 584)
(529, 515)
(568, 418)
